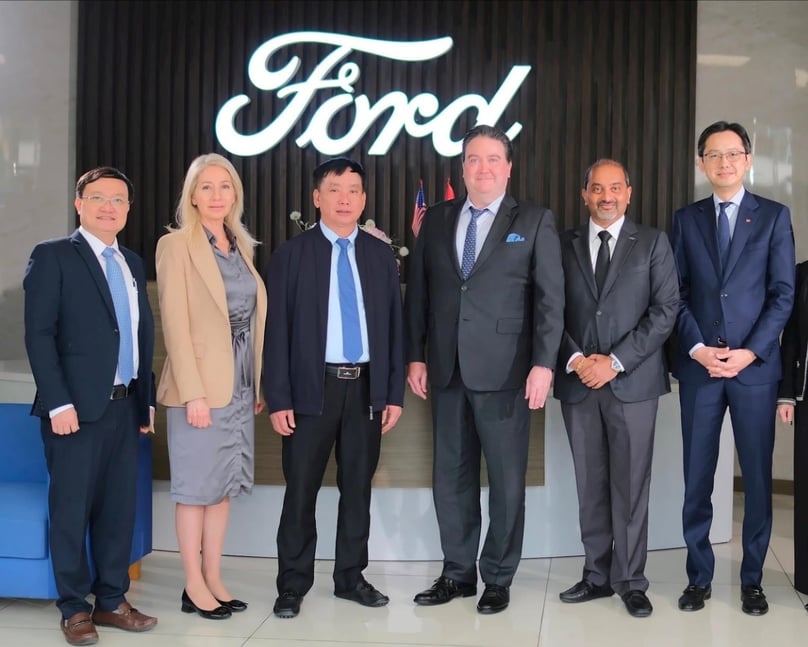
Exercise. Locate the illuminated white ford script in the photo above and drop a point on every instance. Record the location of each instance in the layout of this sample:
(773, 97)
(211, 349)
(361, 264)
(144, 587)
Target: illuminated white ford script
(420, 115)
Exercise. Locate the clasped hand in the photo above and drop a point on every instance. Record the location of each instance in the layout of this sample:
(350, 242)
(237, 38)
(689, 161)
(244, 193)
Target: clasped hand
(723, 362)
(595, 371)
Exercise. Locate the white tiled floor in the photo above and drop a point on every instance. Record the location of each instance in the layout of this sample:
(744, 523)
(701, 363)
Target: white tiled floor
(535, 617)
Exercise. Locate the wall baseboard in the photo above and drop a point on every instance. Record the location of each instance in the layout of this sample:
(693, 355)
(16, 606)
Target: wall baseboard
(779, 486)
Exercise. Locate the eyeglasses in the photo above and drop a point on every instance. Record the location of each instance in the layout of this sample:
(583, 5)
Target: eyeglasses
(730, 156)
(100, 201)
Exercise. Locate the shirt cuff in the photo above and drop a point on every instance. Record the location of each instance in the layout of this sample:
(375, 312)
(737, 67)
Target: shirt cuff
(694, 349)
(787, 401)
(571, 360)
(55, 412)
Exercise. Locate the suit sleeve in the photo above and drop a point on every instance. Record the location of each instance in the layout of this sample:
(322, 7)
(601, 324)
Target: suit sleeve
(548, 293)
(790, 344)
(172, 263)
(277, 337)
(657, 324)
(42, 284)
(687, 328)
(395, 389)
(780, 288)
(416, 299)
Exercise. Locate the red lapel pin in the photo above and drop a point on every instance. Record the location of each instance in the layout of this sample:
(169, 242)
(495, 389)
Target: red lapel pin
(748, 220)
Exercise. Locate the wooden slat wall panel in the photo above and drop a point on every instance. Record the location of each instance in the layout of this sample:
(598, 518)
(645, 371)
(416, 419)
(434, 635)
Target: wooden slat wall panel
(609, 78)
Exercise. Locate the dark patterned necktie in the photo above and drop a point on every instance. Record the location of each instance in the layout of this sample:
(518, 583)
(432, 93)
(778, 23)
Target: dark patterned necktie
(723, 233)
(470, 244)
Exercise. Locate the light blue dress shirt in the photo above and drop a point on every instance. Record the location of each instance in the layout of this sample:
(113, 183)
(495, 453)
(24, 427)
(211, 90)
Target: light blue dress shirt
(484, 223)
(333, 340)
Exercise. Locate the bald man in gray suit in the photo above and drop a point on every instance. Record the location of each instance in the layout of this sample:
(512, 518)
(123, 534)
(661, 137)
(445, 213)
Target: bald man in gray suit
(622, 297)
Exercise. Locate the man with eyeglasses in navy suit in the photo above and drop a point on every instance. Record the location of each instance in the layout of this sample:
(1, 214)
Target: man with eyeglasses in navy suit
(734, 252)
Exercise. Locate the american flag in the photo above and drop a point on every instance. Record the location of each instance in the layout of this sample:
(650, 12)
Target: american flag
(419, 211)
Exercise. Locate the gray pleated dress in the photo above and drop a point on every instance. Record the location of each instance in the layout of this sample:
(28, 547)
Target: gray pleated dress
(210, 464)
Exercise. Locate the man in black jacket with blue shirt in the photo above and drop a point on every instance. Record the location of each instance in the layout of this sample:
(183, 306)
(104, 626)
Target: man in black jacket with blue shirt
(333, 373)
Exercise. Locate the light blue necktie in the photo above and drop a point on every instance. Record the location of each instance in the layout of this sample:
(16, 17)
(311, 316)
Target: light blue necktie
(349, 309)
(723, 233)
(120, 299)
(470, 244)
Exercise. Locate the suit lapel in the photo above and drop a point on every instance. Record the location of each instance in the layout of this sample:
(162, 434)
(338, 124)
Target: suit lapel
(202, 257)
(580, 245)
(622, 248)
(705, 221)
(322, 278)
(91, 260)
(502, 222)
(744, 223)
(451, 217)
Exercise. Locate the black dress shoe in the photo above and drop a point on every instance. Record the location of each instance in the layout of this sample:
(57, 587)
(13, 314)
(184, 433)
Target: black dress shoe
(219, 613)
(365, 594)
(494, 599)
(584, 592)
(753, 601)
(637, 604)
(287, 605)
(693, 597)
(443, 590)
(234, 605)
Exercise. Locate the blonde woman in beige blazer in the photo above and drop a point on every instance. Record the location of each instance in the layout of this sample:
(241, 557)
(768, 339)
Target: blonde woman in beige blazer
(213, 310)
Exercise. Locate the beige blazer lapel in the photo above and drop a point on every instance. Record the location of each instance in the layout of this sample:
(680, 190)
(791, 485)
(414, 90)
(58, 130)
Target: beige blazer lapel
(201, 254)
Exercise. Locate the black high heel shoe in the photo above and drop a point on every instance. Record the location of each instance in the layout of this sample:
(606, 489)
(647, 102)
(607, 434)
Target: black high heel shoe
(219, 613)
(234, 605)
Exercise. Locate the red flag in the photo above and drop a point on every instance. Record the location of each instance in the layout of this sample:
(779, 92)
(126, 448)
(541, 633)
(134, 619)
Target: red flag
(449, 192)
(419, 211)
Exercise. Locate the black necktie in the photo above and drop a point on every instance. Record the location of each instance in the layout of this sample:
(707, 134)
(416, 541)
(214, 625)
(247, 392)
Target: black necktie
(723, 233)
(602, 261)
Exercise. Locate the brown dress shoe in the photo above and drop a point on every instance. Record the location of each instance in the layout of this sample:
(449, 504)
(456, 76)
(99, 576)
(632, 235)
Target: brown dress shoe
(124, 617)
(79, 629)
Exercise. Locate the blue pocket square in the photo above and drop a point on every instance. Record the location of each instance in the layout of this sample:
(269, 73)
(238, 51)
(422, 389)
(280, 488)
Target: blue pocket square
(514, 238)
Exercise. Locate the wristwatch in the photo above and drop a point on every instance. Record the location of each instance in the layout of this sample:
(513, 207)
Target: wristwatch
(616, 365)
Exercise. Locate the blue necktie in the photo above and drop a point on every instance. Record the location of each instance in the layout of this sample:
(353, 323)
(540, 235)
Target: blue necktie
(120, 299)
(723, 233)
(470, 244)
(349, 309)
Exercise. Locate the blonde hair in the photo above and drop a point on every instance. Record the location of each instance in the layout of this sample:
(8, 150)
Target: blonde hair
(187, 215)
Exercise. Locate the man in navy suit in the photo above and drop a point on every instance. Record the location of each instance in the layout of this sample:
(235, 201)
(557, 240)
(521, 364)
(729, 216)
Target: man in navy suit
(734, 252)
(89, 334)
(333, 373)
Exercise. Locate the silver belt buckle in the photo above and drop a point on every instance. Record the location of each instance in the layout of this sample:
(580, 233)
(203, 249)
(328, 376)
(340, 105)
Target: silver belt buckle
(348, 372)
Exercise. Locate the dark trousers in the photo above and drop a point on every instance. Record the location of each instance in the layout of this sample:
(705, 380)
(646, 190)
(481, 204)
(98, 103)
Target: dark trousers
(345, 421)
(612, 445)
(752, 411)
(93, 474)
(801, 497)
(465, 423)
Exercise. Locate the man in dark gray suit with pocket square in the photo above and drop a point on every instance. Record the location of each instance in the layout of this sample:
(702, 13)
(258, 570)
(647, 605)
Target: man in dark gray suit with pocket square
(622, 297)
(484, 311)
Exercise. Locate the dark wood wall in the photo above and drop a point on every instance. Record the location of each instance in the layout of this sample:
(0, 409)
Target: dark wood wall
(609, 79)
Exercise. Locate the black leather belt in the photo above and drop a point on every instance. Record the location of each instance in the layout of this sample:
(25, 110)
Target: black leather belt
(121, 391)
(346, 371)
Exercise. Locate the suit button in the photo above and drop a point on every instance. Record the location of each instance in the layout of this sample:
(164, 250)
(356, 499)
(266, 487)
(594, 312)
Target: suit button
(716, 323)
(598, 313)
(463, 288)
(115, 331)
(723, 295)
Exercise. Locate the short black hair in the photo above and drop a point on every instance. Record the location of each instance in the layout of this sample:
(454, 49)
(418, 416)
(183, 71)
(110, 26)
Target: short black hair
(101, 172)
(723, 126)
(604, 162)
(338, 166)
(493, 133)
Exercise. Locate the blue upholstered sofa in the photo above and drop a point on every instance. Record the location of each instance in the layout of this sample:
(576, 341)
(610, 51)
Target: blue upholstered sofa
(26, 570)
